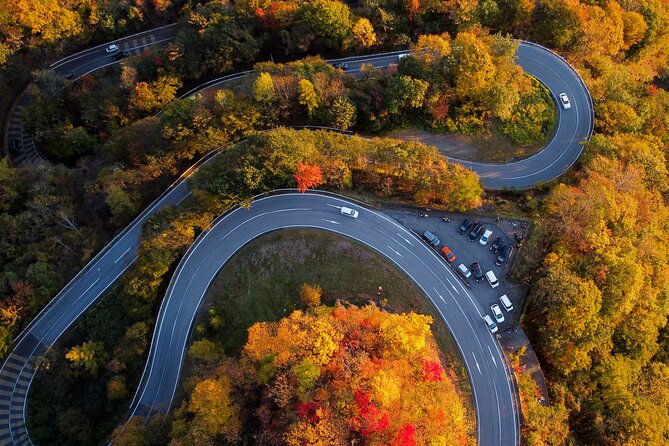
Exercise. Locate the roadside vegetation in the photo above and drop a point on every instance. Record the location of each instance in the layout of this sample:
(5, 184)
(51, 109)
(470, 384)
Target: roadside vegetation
(598, 304)
(108, 361)
(325, 375)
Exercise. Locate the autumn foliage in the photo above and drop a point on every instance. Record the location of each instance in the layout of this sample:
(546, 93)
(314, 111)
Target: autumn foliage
(308, 176)
(341, 376)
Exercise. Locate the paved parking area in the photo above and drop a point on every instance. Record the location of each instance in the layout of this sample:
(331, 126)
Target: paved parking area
(468, 252)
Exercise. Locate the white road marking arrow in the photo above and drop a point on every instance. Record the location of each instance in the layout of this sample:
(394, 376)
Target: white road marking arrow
(396, 252)
(492, 356)
(440, 296)
(477, 364)
(452, 286)
(405, 239)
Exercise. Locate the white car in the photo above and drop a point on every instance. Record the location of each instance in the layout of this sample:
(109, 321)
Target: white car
(492, 279)
(485, 237)
(497, 312)
(349, 212)
(464, 270)
(489, 322)
(111, 48)
(565, 101)
(506, 302)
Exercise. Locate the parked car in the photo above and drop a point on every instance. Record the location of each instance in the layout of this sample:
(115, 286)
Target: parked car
(485, 237)
(349, 212)
(448, 254)
(497, 312)
(504, 255)
(506, 302)
(492, 326)
(478, 272)
(492, 279)
(431, 238)
(496, 245)
(564, 99)
(464, 271)
(111, 48)
(464, 227)
(119, 56)
(476, 230)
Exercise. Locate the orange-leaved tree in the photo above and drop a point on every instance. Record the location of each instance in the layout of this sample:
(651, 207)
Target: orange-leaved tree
(308, 175)
(344, 374)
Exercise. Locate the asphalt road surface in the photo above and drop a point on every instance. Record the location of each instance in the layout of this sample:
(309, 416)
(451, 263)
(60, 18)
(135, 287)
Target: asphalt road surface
(574, 126)
(493, 395)
(84, 289)
(20, 144)
(497, 420)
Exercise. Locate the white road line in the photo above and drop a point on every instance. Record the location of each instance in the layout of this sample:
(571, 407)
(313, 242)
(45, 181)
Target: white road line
(492, 356)
(406, 240)
(331, 221)
(91, 285)
(440, 296)
(333, 205)
(476, 362)
(186, 196)
(393, 250)
(124, 253)
(452, 286)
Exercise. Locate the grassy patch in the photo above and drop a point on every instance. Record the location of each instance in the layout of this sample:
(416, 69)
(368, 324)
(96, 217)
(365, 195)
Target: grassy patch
(262, 281)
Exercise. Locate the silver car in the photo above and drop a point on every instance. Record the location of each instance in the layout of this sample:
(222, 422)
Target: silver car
(565, 101)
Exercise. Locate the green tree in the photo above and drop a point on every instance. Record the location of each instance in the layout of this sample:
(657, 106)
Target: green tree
(10, 186)
(264, 89)
(566, 310)
(307, 96)
(342, 113)
(76, 143)
(205, 351)
(404, 92)
(89, 355)
(328, 19)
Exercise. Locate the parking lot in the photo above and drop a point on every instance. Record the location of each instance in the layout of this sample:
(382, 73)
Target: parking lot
(467, 252)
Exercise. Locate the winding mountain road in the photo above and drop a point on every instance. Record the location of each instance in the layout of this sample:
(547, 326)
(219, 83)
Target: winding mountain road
(493, 395)
(497, 419)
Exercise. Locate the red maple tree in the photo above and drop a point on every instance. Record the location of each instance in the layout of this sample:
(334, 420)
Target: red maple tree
(432, 371)
(308, 175)
(406, 436)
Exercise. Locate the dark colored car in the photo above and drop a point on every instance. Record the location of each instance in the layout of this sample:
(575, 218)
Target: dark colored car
(431, 238)
(464, 227)
(475, 268)
(342, 65)
(496, 245)
(119, 56)
(474, 232)
(504, 255)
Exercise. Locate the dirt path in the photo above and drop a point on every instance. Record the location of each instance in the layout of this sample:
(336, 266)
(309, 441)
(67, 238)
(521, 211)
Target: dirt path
(493, 148)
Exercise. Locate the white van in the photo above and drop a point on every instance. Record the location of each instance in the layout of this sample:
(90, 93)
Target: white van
(349, 212)
(492, 279)
(506, 302)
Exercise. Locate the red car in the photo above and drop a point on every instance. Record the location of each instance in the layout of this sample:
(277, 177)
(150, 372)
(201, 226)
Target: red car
(448, 254)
